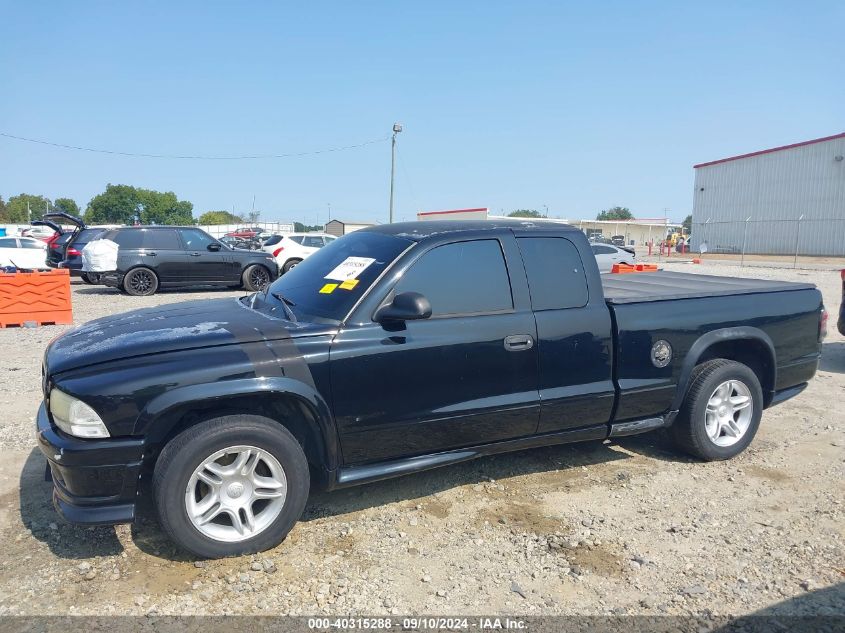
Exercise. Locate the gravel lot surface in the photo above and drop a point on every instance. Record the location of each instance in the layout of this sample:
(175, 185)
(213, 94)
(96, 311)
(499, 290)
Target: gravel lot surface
(620, 527)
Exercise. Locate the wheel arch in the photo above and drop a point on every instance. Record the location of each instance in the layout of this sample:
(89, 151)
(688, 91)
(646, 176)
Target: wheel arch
(748, 345)
(293, 404)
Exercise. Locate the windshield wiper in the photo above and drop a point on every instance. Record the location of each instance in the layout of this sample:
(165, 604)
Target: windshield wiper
(287, 304)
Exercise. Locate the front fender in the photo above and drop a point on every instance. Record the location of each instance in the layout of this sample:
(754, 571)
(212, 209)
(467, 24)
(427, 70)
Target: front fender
(714, 337)
(155, 422)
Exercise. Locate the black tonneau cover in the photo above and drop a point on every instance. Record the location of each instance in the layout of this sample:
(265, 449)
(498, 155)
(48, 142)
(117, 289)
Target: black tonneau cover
(665, 286)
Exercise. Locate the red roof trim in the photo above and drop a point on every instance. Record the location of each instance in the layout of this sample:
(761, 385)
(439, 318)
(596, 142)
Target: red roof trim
(769, 151)
(452, 211)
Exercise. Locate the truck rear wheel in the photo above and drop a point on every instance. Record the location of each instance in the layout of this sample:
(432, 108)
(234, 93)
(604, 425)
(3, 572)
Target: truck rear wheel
(721, 412)
(232, 485)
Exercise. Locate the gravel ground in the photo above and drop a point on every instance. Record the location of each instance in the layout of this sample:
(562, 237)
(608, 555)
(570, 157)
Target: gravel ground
(628, 527)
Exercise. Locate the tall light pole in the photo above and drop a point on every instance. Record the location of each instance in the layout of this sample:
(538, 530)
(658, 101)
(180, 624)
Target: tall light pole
(397, 127)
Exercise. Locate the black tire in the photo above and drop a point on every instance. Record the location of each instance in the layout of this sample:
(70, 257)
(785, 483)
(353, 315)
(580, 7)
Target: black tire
(255, 277)
(290, 264)
(689, 431)
(140, 282)
(184, 453)
(86, 277)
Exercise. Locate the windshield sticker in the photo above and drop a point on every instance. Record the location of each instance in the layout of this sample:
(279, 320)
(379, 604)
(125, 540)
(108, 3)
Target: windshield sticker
(328, 289)
(350, 268)
(349, 284)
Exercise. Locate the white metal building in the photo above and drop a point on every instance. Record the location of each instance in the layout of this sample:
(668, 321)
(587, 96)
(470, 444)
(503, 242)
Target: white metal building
(779, 201)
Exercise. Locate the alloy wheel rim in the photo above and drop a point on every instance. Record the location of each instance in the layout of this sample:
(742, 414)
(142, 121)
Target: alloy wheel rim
(728, 413)
(259, 278)
(141, 281)
(236, 493)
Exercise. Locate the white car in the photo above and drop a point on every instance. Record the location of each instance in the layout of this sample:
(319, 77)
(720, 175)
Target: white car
(23, 252)
(607, 255)
(291, 249)
(38, 232)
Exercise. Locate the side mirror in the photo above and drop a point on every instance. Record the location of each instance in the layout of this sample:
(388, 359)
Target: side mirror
(214, 247)
(406, 306)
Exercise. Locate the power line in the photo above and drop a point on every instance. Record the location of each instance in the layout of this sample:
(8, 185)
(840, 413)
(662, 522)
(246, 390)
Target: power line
(196, 157)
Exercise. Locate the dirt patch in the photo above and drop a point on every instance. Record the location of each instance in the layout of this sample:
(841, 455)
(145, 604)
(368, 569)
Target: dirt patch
(521, 517)
(764, 472)
(597, 559)
(436, 508)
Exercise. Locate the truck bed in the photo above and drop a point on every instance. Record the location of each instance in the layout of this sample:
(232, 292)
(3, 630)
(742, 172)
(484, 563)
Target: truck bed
(665, 286)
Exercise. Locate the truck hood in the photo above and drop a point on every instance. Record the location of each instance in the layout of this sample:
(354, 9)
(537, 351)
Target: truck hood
(182, 326)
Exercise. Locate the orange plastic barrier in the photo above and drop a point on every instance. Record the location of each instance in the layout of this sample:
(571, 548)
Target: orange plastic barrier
(623, 268)
(636, 268)
(42, 298)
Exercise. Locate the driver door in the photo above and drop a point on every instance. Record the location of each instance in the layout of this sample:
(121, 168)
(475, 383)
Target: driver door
(448, 381)
(203, 265)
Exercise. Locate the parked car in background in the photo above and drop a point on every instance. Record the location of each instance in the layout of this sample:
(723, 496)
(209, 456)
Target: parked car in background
(840, 325)
(247, 232)
(40, 232)
(153, 257)
(238, 242)
(66, 250)
(291, 249)
(618, 240)
(607, 255)
(23, 252)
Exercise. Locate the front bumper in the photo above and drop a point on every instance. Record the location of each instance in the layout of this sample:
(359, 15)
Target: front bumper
(95, 482)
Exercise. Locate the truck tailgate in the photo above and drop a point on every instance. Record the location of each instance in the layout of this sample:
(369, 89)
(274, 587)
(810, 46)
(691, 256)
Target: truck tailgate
(665, 286)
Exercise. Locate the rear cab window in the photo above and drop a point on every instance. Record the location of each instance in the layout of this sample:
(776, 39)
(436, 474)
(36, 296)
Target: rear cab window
(556, 276)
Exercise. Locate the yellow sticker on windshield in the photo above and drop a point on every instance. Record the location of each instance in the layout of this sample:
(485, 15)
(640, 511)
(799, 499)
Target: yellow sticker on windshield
(349, 284)
(327, 289)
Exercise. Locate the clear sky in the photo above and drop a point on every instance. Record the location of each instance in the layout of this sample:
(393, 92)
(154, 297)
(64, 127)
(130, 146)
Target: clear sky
(521, 104)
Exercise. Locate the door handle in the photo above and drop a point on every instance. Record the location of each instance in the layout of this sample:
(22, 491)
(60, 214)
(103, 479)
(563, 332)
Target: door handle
(194, 254)
(149, 254)
(519, 342)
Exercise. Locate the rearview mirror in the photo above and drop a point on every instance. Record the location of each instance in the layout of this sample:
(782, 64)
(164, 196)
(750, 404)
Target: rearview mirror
(214, 246)
(406, 306)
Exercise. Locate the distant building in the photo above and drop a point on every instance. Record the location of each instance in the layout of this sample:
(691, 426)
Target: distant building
(339, 227)
(776, 201)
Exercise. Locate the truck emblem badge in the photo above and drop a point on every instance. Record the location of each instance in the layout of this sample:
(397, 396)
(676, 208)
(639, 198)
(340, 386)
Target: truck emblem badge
(235, 490)
(661, 353)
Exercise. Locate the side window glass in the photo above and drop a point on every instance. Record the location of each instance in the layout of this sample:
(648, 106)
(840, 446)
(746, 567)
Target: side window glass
(461, 278)
(163, 239)
(130, 238)
(196, 240)
(556, 275)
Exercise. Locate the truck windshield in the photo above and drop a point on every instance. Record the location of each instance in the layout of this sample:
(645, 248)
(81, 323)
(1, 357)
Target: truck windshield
(327, 284)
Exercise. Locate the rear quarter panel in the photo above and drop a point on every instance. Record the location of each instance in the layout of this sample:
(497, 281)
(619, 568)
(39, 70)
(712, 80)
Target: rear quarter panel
(789, 319)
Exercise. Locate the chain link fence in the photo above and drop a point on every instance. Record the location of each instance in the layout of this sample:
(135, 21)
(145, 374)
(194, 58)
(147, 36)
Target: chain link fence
(800, 236)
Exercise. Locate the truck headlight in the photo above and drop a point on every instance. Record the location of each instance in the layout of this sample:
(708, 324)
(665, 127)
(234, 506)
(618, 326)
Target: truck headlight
(75, 417)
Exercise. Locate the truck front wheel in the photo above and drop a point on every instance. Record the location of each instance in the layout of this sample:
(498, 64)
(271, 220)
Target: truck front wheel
(721, 413)
(232, 485)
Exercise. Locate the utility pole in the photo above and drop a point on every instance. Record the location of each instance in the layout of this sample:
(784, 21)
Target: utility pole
(397, 127)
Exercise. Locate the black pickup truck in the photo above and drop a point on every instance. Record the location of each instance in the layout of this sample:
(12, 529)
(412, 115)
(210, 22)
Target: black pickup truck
(400, 348)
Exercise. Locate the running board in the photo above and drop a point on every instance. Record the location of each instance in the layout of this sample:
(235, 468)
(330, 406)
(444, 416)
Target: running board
(354, 475)
(636, 426)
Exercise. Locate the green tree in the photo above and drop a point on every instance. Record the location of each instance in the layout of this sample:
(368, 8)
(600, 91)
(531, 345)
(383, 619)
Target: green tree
(616, 213)
(687, 224)
(219, 217)
(122, 204)
(25, 206)
(525, 213)
(66, 205)
(299, 227)
(3, 217)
